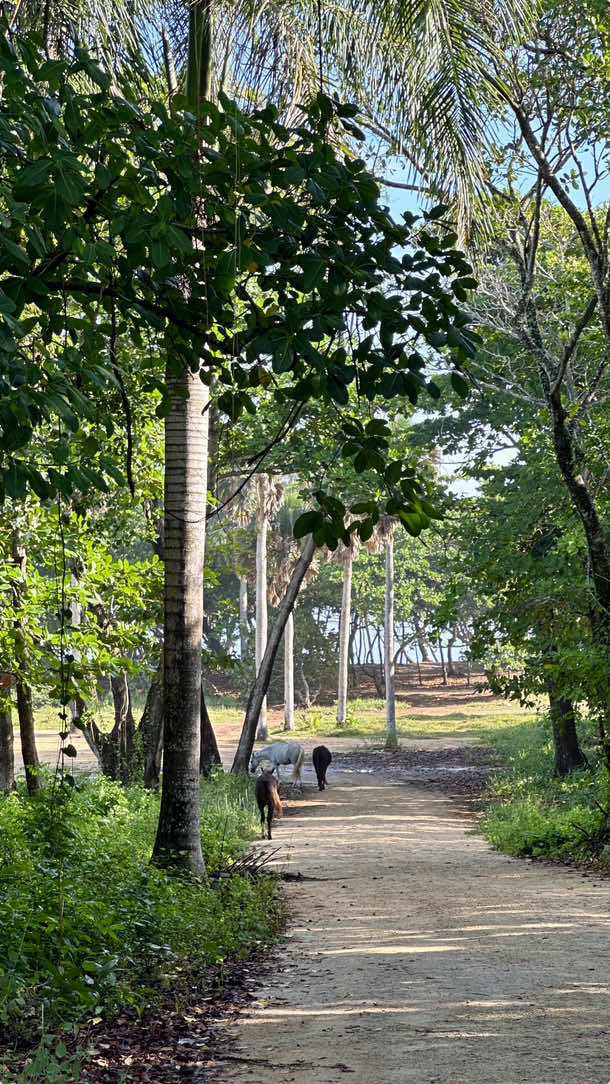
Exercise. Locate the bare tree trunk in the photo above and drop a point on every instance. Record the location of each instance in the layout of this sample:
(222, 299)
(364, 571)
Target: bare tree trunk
(442, 658)
(243, 617)
(568, 756)
(420, 641)
(306, 693)
(209, 755)
(391, 740)
(451, 671)
(262, 732)
(29, 752)
(344, 629)
(419, 677)
(7, 756)
(25, 709)
(289, 673)
(259, 689)
(151, 731)
(178, 841)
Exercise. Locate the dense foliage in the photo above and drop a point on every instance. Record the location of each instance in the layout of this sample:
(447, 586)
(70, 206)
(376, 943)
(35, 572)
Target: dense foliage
(72, 952)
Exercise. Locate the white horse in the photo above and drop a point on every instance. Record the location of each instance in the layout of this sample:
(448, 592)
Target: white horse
(281, 752)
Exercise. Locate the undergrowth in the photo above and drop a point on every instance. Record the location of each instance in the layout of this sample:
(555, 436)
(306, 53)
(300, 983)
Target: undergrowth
(529, 811)
(89, 927)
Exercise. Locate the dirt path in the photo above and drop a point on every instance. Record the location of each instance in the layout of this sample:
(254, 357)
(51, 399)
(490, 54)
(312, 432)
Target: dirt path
(417, 954)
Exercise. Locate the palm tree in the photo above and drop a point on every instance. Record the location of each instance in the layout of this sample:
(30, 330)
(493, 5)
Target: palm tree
(178, 840)
(382, 540)
(269, 495)
(427, 73)
(346, 555)
(386, 529)
(422, 71)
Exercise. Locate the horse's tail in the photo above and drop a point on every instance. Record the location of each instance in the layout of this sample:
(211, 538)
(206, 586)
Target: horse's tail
(267, 793)
(298, 764)
(274, 795)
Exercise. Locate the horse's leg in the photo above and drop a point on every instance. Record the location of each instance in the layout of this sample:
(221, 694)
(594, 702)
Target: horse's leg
(269, 816)
(262, 813)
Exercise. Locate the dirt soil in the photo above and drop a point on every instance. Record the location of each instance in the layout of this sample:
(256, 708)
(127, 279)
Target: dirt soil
(415, 953)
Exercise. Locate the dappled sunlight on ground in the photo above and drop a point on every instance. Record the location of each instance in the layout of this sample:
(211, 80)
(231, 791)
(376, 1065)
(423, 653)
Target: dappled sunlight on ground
(418, 955)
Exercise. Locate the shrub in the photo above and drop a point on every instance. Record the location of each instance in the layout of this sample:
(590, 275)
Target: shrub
(88, 926)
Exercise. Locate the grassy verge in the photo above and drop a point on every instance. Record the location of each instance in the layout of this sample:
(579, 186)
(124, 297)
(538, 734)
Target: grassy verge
(531, 812)
(88, 927)
(366, 721)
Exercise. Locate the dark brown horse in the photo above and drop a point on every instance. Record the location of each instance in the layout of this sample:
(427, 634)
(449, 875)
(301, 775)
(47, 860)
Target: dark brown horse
(321, 757)
(267, 797)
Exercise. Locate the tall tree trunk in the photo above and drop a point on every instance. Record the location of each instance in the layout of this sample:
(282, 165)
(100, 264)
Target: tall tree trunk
(178, 841)
(420, 641)
(442, 658)
(29, 752)
(419, 677)
(7, 756)
(25, 709)
(568, 756)
(451, 671)
(289, 673)
(259, 689)
(262, 732)
(568, 456)
(243, 617)
(344, 629)
(391, 740)
(151, 731)
(209, 754)
(306, 694)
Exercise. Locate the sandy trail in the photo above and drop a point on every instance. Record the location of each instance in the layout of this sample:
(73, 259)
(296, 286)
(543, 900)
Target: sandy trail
(417, 954)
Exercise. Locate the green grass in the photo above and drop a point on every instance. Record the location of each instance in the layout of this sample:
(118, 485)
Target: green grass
(530, 811)
(366, 721)
(223, 709)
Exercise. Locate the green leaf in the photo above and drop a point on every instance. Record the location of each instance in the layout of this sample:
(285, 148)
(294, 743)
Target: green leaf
(459, 384)
(308, 523)
(313, 270)
(15, 480)
(19, 254)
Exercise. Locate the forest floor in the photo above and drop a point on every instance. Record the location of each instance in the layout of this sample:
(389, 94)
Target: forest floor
(414, 954)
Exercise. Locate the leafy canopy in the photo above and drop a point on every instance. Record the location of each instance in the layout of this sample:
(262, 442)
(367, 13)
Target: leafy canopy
(251, 250)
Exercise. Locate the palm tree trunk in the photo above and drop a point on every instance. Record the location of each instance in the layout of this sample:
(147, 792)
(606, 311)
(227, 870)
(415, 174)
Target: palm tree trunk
(262, 732)
(289, 673)
(178, 841)
(344, 630)
(391, 740)
(243, 617)
(259, 689)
